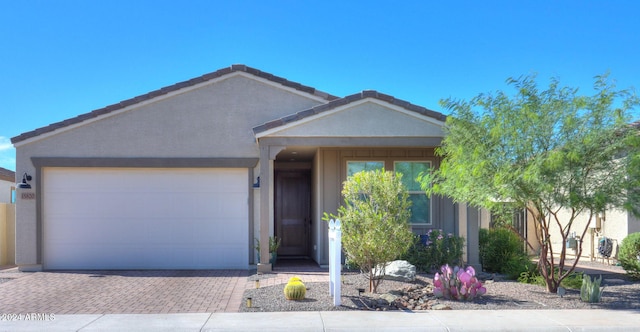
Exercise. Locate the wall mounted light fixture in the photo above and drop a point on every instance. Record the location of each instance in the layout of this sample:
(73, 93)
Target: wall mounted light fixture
(24, 185)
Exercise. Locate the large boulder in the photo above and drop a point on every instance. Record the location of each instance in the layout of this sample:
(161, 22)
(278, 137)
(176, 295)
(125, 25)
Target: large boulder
(399, 270)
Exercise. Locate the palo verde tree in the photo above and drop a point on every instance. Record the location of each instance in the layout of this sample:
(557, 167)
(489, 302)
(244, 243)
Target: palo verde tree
(375, 221)
(560, 155)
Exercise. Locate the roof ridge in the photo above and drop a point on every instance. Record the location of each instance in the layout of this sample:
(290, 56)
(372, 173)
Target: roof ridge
(7, 174)
(168, 89)
(364, 94)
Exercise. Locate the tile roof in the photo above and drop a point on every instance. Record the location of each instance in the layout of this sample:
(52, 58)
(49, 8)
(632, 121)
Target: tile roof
(7, 175)
(348, 100)
(168, 89)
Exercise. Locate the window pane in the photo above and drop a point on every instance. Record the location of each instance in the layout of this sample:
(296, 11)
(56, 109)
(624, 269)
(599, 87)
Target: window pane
(354, 167)
(419, 208)
(410, 171)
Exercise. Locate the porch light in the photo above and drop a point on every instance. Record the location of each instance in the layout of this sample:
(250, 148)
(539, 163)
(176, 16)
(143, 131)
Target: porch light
(24, 185)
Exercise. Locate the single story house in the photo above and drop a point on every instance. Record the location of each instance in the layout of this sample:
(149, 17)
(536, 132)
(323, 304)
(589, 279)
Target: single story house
(190, 175)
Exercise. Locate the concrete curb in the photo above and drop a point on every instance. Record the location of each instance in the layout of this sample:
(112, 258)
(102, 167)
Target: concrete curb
(447, 320)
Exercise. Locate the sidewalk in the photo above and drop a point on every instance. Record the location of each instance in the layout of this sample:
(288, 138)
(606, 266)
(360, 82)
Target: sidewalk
(473, 320)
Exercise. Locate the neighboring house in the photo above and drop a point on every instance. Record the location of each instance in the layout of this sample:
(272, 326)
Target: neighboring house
(614, 225)
(188, 176)
(7, 185)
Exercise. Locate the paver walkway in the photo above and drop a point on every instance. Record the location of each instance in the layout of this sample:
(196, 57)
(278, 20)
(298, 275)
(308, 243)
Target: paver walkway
(133, 292)
(123, 292)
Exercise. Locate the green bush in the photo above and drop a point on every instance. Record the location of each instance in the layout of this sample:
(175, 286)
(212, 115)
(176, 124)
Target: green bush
(502, 251)
(417, 255)
(532, 276)
(375, 221)
(629, 255)
(439, 250)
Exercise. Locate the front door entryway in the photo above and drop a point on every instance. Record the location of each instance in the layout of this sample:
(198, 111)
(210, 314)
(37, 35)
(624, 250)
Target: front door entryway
(292, 212)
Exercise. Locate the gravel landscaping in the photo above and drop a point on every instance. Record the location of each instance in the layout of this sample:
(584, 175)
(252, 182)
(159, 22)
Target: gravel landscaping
(619, 293)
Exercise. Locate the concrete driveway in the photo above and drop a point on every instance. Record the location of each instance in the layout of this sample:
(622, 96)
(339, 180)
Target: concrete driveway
(122, 292)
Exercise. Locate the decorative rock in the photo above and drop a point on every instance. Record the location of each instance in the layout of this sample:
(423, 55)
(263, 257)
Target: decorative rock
(388, 297)
(440, 307)
(399, 270)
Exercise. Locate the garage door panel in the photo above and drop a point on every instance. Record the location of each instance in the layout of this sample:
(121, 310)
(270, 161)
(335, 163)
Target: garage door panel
(170, 218)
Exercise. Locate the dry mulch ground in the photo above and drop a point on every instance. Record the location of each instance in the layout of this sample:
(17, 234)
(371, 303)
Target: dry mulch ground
(619, 293)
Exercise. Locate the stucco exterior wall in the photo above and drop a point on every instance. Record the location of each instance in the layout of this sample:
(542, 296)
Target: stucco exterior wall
(615, 225)
(214, 120)
(5, 191)
(366, 119)
(7, 234)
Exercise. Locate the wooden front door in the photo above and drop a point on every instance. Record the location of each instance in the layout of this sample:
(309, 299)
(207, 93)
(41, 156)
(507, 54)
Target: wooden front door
(292, 212)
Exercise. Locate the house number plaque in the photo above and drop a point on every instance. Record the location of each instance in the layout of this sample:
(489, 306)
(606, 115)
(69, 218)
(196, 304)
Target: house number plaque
(28, 195)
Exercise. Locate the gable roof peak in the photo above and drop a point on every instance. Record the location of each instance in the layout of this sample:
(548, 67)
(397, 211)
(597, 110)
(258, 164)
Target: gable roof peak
(364, 94)
(168, 89)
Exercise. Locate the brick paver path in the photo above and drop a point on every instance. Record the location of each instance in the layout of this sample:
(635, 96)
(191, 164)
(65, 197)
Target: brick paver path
(111, 292)
(136, 292)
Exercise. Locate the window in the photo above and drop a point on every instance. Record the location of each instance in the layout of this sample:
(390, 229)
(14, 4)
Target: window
(420, 203)
(354, 167)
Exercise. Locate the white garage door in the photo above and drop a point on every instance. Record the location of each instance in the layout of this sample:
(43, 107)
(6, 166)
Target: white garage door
(104, 218)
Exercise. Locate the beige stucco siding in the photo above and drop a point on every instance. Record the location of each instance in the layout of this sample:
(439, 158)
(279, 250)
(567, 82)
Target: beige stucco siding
(367, 119)
(214, 120)
(615, 225)
(6, 188)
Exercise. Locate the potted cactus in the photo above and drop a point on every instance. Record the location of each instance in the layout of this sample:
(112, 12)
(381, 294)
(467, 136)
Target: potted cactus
(274, 244)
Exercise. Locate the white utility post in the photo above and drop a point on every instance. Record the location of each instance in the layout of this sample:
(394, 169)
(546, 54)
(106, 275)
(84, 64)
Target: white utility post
(335, 253)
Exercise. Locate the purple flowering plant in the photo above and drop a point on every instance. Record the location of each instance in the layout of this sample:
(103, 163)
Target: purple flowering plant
(443, 249)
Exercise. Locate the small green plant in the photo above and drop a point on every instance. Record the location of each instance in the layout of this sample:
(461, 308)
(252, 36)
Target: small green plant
(457, 284)
(274, 243)
(295, 289)
(532, 276)
(591, 291)
(629, 255)
(574, 280)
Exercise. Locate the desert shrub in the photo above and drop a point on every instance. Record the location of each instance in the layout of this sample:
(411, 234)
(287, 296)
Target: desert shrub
(375, 221)
(502, 251)
(629, 255)
(439, 250)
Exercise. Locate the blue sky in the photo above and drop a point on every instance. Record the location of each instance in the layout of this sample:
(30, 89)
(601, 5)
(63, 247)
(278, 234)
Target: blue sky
(59, 59)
